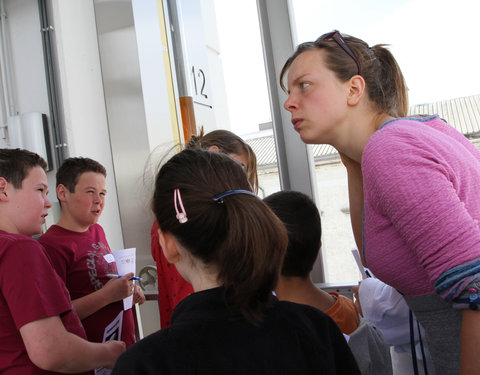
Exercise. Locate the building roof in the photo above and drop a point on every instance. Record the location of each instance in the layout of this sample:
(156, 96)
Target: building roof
(461, 113)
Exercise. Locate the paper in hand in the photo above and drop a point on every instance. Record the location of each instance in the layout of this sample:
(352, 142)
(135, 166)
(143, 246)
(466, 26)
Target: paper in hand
(363, 270)
(125, 260)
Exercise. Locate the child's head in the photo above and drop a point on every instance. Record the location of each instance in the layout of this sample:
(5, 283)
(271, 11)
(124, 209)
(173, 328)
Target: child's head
(231, 144)
(23, 192)
(72, 168)
(302, 220)
(237, 236)
(15, 164)
(81, 192)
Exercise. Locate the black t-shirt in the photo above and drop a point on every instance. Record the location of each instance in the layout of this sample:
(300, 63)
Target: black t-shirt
(207, 337)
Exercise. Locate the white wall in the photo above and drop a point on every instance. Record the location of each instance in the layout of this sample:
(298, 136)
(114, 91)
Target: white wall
(25, 46)
(27, 69)
(199, 34)
(83, 99)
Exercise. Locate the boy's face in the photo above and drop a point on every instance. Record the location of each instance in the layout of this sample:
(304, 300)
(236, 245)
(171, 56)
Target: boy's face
(27, 207)
(85, 205)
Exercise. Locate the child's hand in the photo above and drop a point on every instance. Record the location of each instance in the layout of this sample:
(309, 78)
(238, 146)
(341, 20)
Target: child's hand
(114, 349)
(118, 289)
(138, 296)
(356, 298)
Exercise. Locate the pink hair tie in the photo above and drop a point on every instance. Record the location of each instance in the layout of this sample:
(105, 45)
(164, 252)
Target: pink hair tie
(181, 215)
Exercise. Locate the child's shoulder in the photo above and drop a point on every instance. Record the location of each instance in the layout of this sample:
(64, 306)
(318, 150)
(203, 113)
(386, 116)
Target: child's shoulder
(297, 312)
(14, 237)
(18, 241)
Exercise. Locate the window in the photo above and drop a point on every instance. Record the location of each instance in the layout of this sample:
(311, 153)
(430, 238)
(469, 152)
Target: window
(246, 86)
(434, 44)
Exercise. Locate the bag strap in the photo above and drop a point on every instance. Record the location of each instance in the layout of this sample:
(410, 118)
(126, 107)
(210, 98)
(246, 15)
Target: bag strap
(412, 343)
(423, 349)
(412, 346)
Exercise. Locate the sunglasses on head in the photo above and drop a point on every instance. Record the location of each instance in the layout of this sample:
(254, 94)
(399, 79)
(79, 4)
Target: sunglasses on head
(338, 38)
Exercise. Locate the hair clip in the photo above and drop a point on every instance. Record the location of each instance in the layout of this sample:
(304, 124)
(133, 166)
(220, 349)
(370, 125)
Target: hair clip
(181, 216)
(219, 197)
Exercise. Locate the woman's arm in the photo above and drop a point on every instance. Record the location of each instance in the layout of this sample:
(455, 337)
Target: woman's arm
(470, 342)
(355, 195)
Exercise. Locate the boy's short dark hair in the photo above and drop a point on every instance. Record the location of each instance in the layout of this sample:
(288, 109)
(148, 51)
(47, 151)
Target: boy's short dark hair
(302, 220)
(71, 169)
(16, 163)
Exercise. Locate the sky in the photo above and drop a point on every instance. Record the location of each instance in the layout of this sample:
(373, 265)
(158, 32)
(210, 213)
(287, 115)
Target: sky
(434, 41)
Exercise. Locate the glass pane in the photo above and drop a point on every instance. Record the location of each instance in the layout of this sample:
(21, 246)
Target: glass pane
(435, 44)
(245, 84)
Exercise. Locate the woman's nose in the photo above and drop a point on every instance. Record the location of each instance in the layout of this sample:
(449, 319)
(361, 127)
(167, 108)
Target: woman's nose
(289, 104)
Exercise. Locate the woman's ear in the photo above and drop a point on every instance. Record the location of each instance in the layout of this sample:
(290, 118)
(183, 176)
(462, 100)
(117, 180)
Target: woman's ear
(214, 148)
(169, 246)
(356, 90)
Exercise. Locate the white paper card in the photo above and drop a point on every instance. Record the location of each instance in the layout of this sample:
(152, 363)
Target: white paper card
(112, 332)
(363, 270)
(109, 258)
(125, 260)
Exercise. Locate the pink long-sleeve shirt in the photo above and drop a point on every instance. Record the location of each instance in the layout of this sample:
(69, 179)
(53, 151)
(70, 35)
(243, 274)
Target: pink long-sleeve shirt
(422, 202)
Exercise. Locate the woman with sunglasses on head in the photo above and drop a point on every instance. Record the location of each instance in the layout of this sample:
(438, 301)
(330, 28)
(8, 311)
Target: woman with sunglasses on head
(172, 288)
(230, 246)
(413, 186)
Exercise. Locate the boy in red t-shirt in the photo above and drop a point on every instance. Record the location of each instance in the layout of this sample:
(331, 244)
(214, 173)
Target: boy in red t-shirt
(79, 252)
(40, 331)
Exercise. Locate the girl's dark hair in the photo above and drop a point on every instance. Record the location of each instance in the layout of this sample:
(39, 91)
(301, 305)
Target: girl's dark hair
(228, 143)
(240, 236)
(384, 80)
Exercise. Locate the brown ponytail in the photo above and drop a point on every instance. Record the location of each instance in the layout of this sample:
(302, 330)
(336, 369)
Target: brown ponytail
(240, 236)
(385, 83)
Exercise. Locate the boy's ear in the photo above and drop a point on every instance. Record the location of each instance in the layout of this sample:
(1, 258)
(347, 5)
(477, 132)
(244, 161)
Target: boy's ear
(3, 189)
(62, 193)
(169, 246)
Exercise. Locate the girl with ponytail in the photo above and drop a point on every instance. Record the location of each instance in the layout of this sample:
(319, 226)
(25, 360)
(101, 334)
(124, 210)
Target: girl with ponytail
(230, 246)
(413, 186)
(172, 288)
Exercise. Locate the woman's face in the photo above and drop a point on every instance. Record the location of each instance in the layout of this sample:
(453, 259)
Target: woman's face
(317, 99)
(242, 159)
